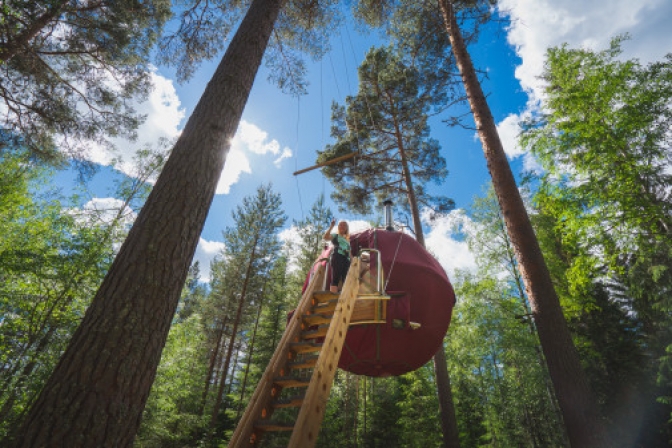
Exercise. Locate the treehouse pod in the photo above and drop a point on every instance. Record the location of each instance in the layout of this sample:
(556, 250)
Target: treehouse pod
(415, 318)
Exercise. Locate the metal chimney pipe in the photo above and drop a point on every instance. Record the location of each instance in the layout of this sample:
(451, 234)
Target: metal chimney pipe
(388, 216)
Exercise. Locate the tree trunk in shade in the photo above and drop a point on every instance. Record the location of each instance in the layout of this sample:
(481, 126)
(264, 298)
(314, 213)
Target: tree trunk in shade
(446, 407)
(96, 394)
(234, 331)
(582, 418)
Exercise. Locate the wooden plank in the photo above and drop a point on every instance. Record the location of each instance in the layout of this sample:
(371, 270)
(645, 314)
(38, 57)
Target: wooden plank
(370, 310)
(318, 332)
(305, 347)
(270, 425)
(327, 163)
(291, 402)
(316, 319)
(309, 420)
(261, 398)
(290, 381)
(306, 362)
(324, 296)
(326, 307)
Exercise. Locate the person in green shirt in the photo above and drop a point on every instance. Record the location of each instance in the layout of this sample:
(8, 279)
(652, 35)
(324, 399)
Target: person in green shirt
(340, 256)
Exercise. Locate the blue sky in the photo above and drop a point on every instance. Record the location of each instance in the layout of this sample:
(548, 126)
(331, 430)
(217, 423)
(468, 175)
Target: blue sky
(280, 134)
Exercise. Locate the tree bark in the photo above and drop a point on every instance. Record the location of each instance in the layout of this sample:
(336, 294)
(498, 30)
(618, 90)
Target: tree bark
(250, 352)
(446, 407)
(214, 357)
(96, 394)
(234, 330)
(585, 426)
(451, 437)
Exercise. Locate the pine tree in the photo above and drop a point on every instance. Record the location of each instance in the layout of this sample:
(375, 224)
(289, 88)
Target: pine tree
(70, 68)
(253, 246)
(386, 125)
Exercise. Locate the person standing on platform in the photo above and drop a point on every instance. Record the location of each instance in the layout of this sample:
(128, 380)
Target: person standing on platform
(340, 256)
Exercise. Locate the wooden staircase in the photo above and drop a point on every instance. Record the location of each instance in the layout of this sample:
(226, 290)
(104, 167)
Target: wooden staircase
(298, 379)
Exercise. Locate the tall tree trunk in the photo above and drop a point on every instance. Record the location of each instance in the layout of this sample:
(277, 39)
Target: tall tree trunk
(214, 357)
(234, 330)
(96, 394)
(446, 407)
(451, 437)
(234, 365)
(250, 351)
(585, 426)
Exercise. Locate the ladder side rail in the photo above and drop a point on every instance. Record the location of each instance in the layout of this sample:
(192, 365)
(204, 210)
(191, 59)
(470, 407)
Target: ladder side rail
(259, 400)
(309, 420)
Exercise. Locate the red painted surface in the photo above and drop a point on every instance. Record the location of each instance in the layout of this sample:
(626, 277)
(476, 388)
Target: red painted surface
(421, 293)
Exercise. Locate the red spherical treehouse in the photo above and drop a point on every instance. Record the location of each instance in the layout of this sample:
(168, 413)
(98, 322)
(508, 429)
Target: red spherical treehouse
(411, 322)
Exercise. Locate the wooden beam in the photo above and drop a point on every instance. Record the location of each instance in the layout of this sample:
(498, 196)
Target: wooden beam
(327, 163)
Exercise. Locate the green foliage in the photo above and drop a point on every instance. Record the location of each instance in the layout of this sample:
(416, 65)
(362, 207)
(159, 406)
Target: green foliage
(605, 210)
(52, 260)
(242, 280)
(70, 69)
(500, 386)
(278, 300)
(172, 415)
(418, 405)
(50, 265)
(342, 415)
(501, 389)
(604, 143)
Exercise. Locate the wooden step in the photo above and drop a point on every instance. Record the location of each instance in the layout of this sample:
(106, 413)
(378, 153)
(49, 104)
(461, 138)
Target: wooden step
(291, 402)
(290, 381)
(325, 307)
(315, 333)
(324, 296)
(270, 425)
(307, 362)
(305, 347)
(316, 319)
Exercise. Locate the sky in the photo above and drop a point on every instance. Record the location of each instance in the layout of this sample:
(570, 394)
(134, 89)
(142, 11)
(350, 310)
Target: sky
(280, 134)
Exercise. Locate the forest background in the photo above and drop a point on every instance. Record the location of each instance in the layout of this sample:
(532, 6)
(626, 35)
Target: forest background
(280, 134)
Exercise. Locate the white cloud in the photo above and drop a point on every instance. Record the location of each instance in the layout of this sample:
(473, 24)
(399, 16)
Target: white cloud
(103, 211)
(236, 163)
(537, 25)
(164, 115)
(290, 239)
(205, 253)
(286, 153)
(357, 226)
(445, 242)
(249, 139)
(509, 129)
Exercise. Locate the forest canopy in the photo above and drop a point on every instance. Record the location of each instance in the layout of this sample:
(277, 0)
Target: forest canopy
(104, 294)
